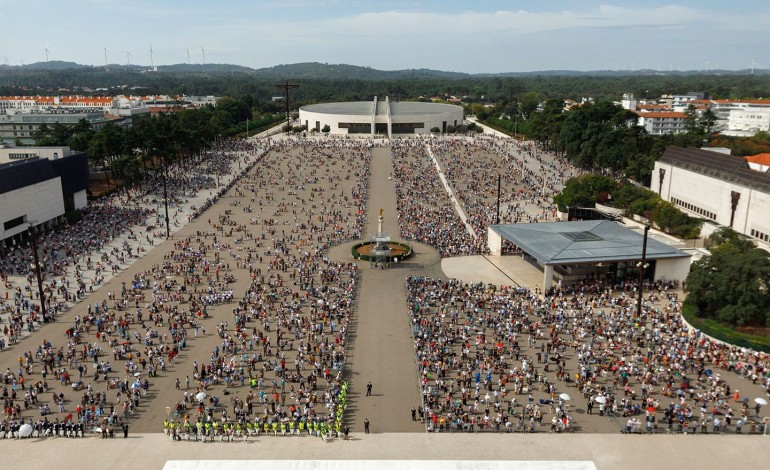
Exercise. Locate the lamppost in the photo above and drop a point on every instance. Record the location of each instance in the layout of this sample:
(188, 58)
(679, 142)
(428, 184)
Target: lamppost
(642, 266)
(498, 199)
(38, 273)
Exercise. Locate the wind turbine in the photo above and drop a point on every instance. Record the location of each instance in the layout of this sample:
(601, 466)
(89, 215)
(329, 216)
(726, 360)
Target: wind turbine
(106, 64)
(5, 58)
(203, 55)
(46, 54)
(188, 56)
(128, 58)
(152, 63)
(753, 65)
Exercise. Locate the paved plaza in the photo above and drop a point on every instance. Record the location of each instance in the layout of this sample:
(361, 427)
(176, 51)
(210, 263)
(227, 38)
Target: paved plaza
(272, 295)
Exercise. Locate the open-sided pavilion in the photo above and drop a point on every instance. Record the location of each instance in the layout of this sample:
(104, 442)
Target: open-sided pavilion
(572, 251)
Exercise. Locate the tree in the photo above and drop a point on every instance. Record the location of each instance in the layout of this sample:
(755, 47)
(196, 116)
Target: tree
(732, 284)
(325, 128)
(707, 121)
(691, 123)
(584, 191)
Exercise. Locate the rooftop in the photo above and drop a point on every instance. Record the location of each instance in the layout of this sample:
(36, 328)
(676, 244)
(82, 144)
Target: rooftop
(717, 165)
(590, 241)
(364, 108)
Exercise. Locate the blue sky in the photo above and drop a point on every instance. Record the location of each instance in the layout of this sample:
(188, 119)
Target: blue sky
(463, 36)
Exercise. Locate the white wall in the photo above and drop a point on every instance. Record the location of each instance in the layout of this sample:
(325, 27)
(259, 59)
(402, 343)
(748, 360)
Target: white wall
(51, 153)
(452, 116)
(714, 195)
(675, 269)
(81, 199)
(494, 242)
(749, 120)
(39, 203)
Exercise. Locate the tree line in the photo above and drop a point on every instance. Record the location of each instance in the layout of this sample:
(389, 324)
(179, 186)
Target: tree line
(129, 152)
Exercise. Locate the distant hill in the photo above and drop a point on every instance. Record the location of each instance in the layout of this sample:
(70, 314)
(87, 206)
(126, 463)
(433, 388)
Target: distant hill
(54, 65)
(325, 71)
(202, 68)
(319, 71)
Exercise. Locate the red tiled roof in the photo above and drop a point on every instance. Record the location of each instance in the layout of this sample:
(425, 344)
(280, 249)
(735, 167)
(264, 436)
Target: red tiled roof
(762, 159)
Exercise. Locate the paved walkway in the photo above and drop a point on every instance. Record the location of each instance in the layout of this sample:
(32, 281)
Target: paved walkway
(381, 347)
(606, 451)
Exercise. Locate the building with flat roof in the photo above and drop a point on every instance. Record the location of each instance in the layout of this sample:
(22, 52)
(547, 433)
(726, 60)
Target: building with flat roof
(727, 190)
(20, 127)
(380, 117)
(38, 191)
(591, 249)
(10, 154)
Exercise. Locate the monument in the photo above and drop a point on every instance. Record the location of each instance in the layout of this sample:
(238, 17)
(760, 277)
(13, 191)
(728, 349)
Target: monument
(380, 251)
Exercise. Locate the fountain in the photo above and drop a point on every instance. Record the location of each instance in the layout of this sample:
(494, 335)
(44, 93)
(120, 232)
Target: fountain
(381, 251)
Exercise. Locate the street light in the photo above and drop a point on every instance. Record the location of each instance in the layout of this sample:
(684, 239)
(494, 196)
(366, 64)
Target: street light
(498, 199)
(38, 273)
(642, 266)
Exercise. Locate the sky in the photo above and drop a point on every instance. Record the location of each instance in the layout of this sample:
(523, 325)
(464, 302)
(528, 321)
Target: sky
(481, 36)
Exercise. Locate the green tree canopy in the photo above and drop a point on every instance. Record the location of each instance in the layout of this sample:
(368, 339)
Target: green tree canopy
(585, 191)
(732, 285)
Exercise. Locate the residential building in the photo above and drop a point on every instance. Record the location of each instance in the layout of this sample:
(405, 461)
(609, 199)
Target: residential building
(660, 123)
(21, 126)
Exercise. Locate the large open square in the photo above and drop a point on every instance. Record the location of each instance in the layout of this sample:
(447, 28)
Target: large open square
(253, 323)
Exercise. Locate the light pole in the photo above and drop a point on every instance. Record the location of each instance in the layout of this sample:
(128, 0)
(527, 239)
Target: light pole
(38, 274)
(642, 267)
(498, 199)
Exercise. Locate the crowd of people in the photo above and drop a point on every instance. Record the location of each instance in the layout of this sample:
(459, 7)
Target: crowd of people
(528, 180)
(254, 282)
(500, 358)
(143, 327)
(281, 355)
(425, 211)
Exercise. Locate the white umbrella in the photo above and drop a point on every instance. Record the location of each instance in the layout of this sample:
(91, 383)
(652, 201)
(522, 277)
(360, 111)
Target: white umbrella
(137, 374)
(760, 400)
(25, 430)
(600, 399)
(565, 396)
(200, 396)
(136, 385)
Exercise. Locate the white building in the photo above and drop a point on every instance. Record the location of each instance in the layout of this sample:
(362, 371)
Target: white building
(660, 123)
(380, 117)
(628, 102)
(10, 154)
(747, 121)
(39, 191)
(722, 188)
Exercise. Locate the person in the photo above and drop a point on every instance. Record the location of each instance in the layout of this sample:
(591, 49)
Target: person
(125, 430)
(346, 431)
(414, 414)
(369, 389)
(366, 426)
